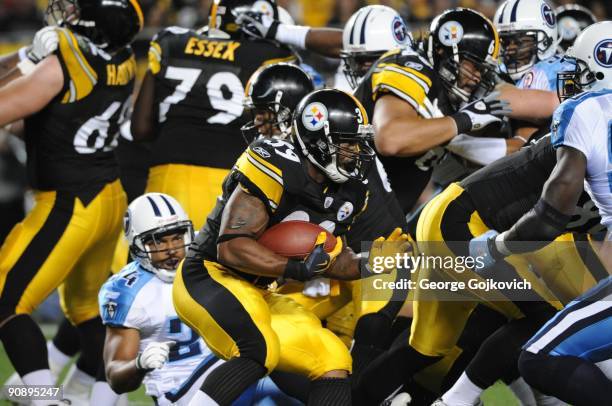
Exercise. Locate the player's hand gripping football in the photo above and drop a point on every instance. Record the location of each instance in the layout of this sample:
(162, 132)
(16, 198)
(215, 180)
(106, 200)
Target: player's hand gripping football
(480, 113)
(316, 263)
(154, 356)
(396, 243)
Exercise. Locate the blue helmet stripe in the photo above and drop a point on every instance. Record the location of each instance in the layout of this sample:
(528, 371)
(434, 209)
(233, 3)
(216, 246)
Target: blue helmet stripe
(172, 212)
(513, 14)
(501, 15)
(156, 210)
(363, 28)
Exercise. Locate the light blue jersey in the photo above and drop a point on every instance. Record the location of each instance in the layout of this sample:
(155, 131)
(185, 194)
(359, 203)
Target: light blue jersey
(543, 75)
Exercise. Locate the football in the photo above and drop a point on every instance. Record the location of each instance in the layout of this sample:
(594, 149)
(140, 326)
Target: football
(294, 239)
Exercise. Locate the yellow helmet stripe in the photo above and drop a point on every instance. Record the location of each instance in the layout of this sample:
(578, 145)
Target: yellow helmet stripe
(136, 6)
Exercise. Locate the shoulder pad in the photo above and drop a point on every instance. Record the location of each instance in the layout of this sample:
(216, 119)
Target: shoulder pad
(265, 167)
(118, 293)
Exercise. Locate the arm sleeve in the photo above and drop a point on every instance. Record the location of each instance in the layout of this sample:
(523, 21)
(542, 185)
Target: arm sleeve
(79, 76)
(481, 151)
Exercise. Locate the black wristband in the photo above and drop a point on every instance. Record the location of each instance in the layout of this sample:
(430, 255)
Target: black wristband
(271, 34)
(463, 122)
(296, 270)
(493, 249)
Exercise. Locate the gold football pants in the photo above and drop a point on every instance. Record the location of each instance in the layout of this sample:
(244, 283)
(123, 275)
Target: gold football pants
(238, 319)
(61, 243)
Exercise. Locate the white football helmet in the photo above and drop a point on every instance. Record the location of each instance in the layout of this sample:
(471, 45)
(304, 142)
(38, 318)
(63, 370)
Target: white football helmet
(152, 216)
(592, 53)
(369, 33)
(528, 32)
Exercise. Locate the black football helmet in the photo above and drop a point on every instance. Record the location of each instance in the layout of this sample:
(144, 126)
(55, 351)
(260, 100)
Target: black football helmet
(222, 16)
(271, 95)
(462, 34)
(109, 24)
(571, 20)
(331, 130)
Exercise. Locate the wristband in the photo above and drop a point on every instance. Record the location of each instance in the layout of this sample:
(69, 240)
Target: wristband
(500, 245)
(26, 66)
(23, 53)
(296, 270)
(139, 366)
(462, 121)
(294, 35)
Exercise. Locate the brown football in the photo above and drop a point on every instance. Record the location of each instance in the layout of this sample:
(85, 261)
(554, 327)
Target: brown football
(294, 238)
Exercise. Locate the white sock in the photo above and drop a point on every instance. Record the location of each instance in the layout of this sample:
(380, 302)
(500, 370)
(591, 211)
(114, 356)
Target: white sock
(57, 359)
(123, 400)
(40, 377)
(37, 378)
(463, 393)
(523, 392)
(78, 384)
(103, 395)
(202, 399)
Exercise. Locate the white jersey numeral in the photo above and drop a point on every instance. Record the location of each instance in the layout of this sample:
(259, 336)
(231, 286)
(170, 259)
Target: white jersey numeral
(98, 127)
(224, 90)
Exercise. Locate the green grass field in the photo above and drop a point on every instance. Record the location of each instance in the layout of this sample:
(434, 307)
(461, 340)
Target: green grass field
(498, 395)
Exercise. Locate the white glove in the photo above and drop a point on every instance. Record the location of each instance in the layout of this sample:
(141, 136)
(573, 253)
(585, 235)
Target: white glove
(480, 113)
(318, 287)
(257, 24)
(154, 356)
(44, 43)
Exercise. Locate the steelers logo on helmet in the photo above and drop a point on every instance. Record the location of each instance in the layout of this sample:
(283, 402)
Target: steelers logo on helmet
(400, 32)
(450, 33)
(603, 53)
(314, 116)
(549, 15)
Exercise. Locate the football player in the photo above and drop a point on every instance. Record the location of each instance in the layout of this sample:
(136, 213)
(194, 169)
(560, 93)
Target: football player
(73, 102)
(367, 35)
(582, 152)
(219, 287)
(569, 357)
(145, 340)
(191, 100)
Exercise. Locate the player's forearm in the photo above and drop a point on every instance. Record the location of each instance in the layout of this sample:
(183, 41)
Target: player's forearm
(325, 41)
(412, 137)
(123, 376)
(248, 255)
(531, 105)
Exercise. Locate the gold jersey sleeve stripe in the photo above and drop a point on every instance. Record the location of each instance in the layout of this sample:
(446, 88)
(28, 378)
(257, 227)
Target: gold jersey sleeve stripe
(399, 84)
(268, 182)
(83, 77)
(407, 70)
(155, 55)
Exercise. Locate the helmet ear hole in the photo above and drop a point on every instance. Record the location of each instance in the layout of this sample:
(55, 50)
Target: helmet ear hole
(599, 76)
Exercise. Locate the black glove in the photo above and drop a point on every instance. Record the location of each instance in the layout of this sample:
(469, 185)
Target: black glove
(480, 113)
(317, 262)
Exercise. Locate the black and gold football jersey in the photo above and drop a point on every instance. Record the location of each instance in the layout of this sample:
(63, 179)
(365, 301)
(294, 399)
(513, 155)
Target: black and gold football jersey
(271, 170)
(199, 92)
(505, 190)
(70, 142)
(405, 74)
